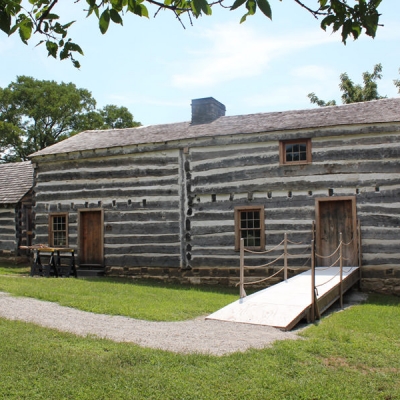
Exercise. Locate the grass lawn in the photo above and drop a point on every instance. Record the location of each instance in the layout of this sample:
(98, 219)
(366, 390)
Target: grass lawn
(353, 354)
(143, 300)
(8, 268)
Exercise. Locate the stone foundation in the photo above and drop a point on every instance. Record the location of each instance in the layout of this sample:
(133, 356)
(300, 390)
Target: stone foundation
(10, 257)
(381, 279)
(201, 276)
(385, 280)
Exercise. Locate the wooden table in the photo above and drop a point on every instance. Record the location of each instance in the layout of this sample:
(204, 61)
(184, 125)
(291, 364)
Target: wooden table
(54, 267)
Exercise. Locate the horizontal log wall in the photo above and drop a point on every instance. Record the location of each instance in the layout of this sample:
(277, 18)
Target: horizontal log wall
(185, 228)
(8, 233)
(140, 194)
(365, 164)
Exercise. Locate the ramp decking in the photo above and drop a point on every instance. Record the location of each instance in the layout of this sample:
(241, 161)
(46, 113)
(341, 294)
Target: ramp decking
(286, 303)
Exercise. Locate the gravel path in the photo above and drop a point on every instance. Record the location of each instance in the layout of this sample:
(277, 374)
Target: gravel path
(195, 336)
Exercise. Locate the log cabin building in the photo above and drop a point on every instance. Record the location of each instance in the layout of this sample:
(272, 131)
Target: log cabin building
(172, 201)
(16, 181)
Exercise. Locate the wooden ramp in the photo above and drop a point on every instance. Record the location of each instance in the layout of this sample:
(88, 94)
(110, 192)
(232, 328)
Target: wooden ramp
(286, 303)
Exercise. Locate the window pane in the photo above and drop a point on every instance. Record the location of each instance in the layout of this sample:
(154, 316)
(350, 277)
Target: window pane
(59, 231)
(249, 226)
(295, 152)
(59, 239)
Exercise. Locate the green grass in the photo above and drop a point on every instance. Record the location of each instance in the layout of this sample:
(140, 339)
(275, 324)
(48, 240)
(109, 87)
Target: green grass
(9, 268)
(352, 354)
(142, 300)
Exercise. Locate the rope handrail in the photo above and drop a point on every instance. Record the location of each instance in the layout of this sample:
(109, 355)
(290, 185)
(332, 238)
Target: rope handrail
(289, 241)
(330, 266)
(264, 265)
(322, 284)
(347, 270)
(295, 268)
(299, 254)
(338, 255)
(348, 259)
(308, 259)
(331, 255)
(349, 243)
(264, 252)
(261, 280)
(325, 268)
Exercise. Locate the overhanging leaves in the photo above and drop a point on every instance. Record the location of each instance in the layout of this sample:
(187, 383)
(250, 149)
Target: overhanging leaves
(104, 21)
(5, 21)
(265, 8)
(44, 20)
(115, 17)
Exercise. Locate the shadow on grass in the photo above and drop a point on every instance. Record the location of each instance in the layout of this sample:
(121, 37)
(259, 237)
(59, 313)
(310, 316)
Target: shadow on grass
(165, 285)
(13, 268)
(383, 300)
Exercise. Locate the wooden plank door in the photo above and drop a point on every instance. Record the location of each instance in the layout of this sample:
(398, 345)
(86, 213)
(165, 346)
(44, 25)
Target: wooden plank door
(335, 216)
(91, 247)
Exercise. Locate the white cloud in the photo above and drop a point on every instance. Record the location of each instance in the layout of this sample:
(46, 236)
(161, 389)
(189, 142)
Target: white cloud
(238, 51)
(314, 72)
(140, 99)
(280, 98)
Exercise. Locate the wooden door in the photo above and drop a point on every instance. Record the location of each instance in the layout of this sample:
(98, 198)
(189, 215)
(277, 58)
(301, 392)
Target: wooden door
(335, 216)
(91, 246)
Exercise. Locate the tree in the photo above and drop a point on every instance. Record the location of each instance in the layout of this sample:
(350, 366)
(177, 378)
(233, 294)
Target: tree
(42, 18)
(109, 117)
(117, 117)
(35, 114)
(397, 83)
(355, 93)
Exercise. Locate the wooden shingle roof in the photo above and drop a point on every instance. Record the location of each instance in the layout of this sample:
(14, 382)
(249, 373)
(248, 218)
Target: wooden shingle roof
(378, 111)
(16, 179)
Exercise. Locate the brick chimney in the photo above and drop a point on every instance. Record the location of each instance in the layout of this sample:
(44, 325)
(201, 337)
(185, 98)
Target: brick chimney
(206, 110)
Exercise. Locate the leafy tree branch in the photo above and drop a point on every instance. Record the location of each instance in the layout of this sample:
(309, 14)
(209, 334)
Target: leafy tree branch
(35, 114)
(42, 18)
(355, 93)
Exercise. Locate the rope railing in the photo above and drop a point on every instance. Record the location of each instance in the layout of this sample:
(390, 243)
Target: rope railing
(289, 241)
(352, 253)
(283, 255)
(268, 264)
(262, 280)
(265, 251)
(324, 283)
(349, 243)
(330, 255)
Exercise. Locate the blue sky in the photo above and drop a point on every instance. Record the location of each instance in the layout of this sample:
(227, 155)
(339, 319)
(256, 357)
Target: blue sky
(154, 67)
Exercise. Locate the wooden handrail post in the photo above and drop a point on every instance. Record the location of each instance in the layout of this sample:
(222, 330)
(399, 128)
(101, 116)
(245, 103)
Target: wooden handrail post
(359, 243)
(285, 257)
(341, 269)
(242, 291)
(312, 315)
(359, 252)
